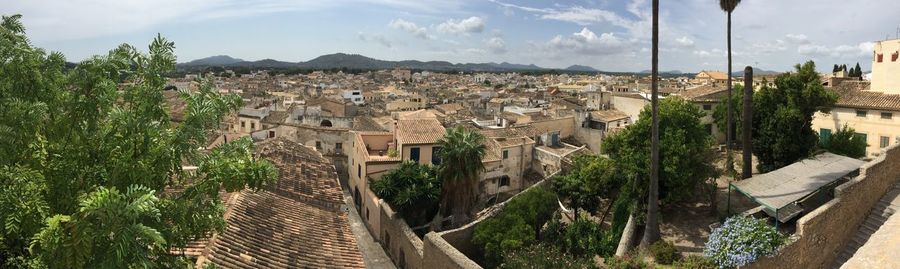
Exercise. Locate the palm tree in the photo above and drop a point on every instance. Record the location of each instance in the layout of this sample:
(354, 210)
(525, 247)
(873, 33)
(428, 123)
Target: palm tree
(651, 231)
(461, 152)
(728, 6)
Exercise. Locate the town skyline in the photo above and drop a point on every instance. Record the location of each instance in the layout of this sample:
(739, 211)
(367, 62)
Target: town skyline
(606, 35)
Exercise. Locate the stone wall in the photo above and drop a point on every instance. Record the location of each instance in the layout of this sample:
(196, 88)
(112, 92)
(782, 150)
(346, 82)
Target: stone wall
(399, 241)
(824, 232)
(444, 250)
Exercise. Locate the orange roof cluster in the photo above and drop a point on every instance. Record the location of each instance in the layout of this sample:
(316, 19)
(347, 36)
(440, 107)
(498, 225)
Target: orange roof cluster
(296, 223)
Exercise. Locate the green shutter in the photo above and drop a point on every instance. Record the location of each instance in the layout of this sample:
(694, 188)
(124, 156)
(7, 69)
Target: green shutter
(824, 134)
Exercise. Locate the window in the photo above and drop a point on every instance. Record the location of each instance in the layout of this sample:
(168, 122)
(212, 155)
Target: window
(707, 107)
(436, 155)
(885, 141)
(824, 134)
(504, 181)
(338, 146)
(414, 154)
(271, 134)
(879, 58)
(359, 171)
(894, 57)
(243, 124)
(862, 136)
(253, 126)
(861, 113)
(318, 145)
(505, 154)
(887, 115)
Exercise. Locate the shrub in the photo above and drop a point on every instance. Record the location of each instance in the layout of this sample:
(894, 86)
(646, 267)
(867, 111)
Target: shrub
(664, 252)
(742, 240)
(516, 226)
(540, 256)
(413, 190)
(627, 262)
(695, 262)
(584, 237)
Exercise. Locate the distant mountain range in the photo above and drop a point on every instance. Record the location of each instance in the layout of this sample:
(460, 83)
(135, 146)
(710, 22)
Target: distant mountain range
(756, 72)
(360, 62)
(356, 61)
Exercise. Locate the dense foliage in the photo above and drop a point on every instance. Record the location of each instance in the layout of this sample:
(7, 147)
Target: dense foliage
(91, 164)
(720, 111)
(626, 262)
(461, 153)
(582, 237)
(742, 240)
(685, 149)
(845, 142)
(518, 225)
(540, 256)
(591, 179)
(695, 262)
(413, 190)
(664, 252)
(782, 117)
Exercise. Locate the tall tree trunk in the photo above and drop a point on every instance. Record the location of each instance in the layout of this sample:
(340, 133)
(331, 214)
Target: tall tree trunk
(729, 123)
(747, 124)
(651, 231)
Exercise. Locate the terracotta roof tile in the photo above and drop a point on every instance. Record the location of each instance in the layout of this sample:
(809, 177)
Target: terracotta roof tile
(858, 95)
(608, 115)
(419, 131)
(297, 223)
(703, 93)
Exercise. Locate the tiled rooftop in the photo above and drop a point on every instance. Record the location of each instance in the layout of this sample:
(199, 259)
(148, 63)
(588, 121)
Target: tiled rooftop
(297, 223)
(858, 95)
(608, 115)
(419, 131)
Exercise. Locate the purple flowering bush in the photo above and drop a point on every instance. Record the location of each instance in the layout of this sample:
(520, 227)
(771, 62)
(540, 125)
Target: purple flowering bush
(742, 240)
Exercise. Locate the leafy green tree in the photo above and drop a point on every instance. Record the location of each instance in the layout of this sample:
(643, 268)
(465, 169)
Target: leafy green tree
(516, 226)
(461, 153)
(413, 190)
(91, 164)
(719, 113)
(845, 142)
(590, 179)
(685, 149)
(782, 117)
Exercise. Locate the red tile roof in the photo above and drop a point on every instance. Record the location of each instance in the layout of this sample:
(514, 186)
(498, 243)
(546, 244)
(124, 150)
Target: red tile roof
(297, 223)
(858, 95)
(419, 131)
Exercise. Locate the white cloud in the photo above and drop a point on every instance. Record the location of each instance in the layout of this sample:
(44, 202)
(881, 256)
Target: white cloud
(51, 20)
(470, 25)
(587, 42)
(496, 45)
(377, 38)
(841, 51)
(798, 38)
(685, 41)
(412, 28)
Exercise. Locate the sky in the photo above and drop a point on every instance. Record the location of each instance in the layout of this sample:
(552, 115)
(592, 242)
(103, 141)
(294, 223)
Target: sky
(610, 35)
